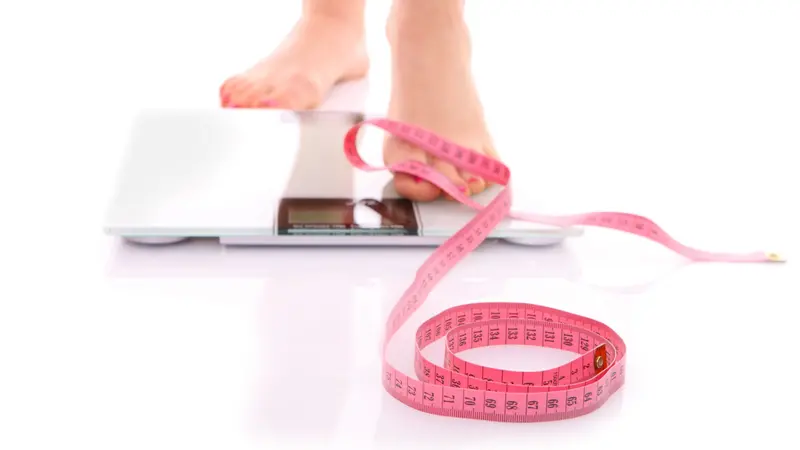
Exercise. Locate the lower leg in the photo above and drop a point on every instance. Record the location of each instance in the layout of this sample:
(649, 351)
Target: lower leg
(432, 87)
(325, 47)
(350, 10)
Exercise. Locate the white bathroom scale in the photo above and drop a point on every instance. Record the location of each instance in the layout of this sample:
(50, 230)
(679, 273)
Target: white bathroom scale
(273, 177)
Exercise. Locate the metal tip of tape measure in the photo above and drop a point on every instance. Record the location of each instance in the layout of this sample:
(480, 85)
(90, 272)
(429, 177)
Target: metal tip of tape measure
(774, 257)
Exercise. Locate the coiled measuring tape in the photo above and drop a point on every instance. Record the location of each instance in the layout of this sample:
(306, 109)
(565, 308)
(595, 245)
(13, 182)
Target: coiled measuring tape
(458, 388)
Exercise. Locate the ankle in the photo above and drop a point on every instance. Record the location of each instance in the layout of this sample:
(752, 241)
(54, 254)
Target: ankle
(440, 10)
(346, 11)
(426, 21)
(344, 28)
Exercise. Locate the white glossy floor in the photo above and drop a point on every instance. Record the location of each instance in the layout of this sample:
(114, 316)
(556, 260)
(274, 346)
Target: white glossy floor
(684, 111)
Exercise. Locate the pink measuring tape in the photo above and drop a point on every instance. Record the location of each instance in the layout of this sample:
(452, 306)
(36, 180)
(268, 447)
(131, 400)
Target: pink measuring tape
(458, 388)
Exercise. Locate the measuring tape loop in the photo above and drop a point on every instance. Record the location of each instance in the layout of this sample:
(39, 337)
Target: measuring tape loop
(462, 389)
(473, 390)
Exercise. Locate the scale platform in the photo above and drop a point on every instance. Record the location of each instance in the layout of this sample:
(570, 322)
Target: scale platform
(273, 177)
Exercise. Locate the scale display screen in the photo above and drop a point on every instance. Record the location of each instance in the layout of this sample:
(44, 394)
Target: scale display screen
(301, 216)
(340, 216)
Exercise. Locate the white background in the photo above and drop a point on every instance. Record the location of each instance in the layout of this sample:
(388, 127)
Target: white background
(684, 111)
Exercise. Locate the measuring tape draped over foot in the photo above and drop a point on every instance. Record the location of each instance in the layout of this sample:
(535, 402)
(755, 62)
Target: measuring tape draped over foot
(462, 389)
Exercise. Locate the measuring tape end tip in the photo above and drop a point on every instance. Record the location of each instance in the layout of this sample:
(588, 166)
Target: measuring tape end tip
(774, 257)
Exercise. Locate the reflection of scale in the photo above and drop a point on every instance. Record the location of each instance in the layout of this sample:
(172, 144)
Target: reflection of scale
(268, 177)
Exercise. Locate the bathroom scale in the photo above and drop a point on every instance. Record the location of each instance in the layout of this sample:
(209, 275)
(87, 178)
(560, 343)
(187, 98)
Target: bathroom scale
(274, 177)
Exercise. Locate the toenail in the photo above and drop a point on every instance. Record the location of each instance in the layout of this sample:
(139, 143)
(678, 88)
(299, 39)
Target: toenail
(462, 189)
(268, 103)
(417, 179)
(473, 180)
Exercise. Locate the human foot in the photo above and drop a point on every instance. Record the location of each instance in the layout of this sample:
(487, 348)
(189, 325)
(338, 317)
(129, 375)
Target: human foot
(432, 87)
(320, 51)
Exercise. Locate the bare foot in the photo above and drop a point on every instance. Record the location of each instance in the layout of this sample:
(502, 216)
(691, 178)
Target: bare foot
(321, 50)
(432, 87)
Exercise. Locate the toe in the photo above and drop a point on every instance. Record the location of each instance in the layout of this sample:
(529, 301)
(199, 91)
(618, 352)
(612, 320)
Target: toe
(453, 175)
(237, 95)
(232, 86)
(249, 96)
(475, 183)
(415, 189)
(258, 98)
(412, 188)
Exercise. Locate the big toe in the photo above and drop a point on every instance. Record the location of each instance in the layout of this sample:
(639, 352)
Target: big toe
(244, 92)
(232, 86)
(408, 186)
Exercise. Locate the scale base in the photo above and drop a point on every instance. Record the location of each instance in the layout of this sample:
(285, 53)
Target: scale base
(339, 241)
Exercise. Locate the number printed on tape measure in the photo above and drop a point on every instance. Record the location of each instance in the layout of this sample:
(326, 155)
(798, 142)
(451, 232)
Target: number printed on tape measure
(462, 389)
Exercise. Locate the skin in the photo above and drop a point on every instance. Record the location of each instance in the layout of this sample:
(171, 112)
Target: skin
(432, 84)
